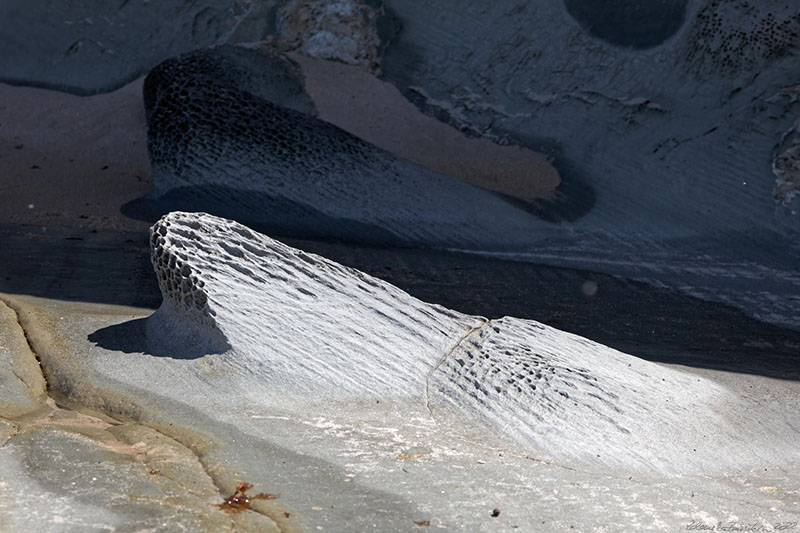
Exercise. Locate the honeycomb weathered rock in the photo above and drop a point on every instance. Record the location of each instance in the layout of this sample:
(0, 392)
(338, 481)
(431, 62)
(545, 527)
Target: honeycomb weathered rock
(741, 36)
(260, 71)
(300, 329)
(215, 146)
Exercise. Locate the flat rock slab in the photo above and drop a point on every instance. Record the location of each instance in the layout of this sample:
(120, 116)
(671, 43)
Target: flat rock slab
(20, 377)
(68, 471)
(365, 467)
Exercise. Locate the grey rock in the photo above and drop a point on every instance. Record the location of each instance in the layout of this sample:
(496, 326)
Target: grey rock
(264, 73)
(665, 152)
(658, 142)
(97, 46)
(344, 31)
(268, 410)
(310, 331)
(68, 471)
(216, 147)
(22, 387)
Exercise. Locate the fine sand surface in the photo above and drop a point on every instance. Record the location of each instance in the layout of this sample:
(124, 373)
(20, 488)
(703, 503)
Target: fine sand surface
(374, 110)
(70, 160)
(76, 282)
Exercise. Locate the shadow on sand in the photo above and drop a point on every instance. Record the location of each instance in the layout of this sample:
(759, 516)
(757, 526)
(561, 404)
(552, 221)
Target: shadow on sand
(130, 337)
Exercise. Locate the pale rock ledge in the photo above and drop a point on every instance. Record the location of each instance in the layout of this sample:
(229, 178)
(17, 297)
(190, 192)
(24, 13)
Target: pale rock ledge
(297, 329)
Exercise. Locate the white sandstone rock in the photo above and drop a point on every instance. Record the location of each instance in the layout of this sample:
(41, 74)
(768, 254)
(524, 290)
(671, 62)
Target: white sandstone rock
(296, 328)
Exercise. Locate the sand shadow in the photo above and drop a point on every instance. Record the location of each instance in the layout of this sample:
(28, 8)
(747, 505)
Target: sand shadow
(130, 338)
(259, 211)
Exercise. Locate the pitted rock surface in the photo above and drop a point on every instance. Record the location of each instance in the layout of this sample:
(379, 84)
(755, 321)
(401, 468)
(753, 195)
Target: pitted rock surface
(262, 72)
(741, 36)
(218, 147)
(299, 330)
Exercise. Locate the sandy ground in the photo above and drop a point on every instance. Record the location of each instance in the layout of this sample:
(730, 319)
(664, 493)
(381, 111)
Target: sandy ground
(72, 161)
(375, 110)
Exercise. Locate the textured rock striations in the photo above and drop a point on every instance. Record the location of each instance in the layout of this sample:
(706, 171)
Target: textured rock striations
(264, 73)
(295, 320)
(217, 147)
(298, 329)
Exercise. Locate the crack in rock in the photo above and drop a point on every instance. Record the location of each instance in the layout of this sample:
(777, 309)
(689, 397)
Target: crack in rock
(477, 329)
(73, 420)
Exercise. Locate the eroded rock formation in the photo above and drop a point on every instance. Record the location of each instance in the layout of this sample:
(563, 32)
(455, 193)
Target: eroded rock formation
(216, 146)
(297, 329)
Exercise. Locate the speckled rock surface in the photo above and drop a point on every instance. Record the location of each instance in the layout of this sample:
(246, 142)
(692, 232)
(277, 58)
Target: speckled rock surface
(343, 30)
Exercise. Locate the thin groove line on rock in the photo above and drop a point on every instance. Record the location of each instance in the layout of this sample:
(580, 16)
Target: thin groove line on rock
(474, 329)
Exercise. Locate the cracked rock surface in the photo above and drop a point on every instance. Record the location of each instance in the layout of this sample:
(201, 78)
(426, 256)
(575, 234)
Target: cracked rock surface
(67, 469)
(20, 376)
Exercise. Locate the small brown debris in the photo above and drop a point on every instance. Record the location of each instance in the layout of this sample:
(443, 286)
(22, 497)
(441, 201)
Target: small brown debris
(240, 501)
(287, 515)
(410, 455)
(422, 523)
(154, 472)
(495, 513)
